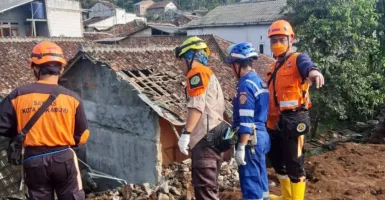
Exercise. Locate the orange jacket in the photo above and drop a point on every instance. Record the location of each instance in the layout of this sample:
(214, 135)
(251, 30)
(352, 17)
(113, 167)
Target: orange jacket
(63, 124)
(288, 90)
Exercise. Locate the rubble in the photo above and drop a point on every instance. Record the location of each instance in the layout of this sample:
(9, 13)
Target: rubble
(175, 185)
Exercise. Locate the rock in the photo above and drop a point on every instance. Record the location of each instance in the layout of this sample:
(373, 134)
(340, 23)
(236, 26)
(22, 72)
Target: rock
(166, 172)
(188, 161)
(184, 169)
(171, 175)
(127, 190)
(373, 122)
(138, 190)
(163, 197)
(164, 188)
(91, 195)
(175, 191)
(153, 196)
(142, 198)
(220, 178)
(134, 195)
(146, 187)
(226, 170)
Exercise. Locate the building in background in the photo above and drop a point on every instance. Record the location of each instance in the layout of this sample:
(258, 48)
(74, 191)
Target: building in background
(164, 10)
(49, 18)
(140, 8)
(104, 15)
(240, 22)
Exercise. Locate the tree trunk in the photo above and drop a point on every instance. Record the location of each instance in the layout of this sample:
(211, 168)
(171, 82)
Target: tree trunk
(315, 122)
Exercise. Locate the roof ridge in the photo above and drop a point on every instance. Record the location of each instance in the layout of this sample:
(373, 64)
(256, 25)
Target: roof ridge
(32, 39)
(92, 49)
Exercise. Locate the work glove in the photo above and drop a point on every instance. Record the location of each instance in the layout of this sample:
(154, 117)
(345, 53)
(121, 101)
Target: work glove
(240, 154)
(183, 142)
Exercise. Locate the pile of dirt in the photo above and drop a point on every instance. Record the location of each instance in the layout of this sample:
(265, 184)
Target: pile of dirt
(351, 171)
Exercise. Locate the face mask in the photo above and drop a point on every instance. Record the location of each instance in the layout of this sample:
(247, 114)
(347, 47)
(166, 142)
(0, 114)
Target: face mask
(278, 49)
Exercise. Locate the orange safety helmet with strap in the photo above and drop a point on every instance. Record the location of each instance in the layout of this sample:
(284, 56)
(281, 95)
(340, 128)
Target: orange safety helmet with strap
(289, 91)
(281, 27)
(45, 52)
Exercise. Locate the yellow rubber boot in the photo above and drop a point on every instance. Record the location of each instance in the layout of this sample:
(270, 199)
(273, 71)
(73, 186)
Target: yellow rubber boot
(298, 191)
(285, 189)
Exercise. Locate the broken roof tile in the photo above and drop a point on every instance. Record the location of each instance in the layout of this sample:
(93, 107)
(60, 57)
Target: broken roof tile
(15, 54)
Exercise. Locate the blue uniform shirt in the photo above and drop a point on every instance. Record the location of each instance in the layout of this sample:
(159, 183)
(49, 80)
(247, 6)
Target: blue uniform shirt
(305, 64)
(251, 104)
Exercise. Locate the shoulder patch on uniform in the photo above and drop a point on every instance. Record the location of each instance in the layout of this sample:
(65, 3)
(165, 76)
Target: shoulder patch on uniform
(301, 127)
(264, 85)
(242, 98)
(196, 81)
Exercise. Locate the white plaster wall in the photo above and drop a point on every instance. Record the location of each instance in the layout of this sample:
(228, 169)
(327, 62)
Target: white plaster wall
(64, 18)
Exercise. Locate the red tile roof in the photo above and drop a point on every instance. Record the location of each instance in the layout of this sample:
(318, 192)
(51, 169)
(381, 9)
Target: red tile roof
(96, 35)
(119, 30)
(217, 45)
(154, 71)
(123, 30)
(14, 59)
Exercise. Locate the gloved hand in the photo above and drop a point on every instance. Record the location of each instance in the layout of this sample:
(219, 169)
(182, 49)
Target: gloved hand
(240, 154)
(183, 142)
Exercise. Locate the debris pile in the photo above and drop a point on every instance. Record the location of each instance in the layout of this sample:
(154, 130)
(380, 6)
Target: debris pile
(175, 185)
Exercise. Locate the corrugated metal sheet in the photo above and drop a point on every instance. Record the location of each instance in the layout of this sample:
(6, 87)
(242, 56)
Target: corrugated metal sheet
(10, 4)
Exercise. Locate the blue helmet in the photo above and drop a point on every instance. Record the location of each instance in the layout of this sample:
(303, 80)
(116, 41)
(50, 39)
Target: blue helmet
(241, 51)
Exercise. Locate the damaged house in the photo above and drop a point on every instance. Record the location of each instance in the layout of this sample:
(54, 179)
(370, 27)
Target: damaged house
(135, 104)
(134, 99)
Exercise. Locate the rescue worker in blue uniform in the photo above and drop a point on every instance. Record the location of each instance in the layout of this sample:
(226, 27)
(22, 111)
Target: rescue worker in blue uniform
(250, 108)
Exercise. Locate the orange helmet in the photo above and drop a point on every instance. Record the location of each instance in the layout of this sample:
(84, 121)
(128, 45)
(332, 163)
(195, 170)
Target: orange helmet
(281, 27)
(45, 52)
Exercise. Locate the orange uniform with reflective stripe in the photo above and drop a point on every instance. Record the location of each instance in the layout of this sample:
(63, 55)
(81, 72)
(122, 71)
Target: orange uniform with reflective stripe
(63, 124)
(291, 91)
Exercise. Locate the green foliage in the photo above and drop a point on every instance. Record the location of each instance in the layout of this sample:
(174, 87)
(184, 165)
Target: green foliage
(341, 38)
(381, 27)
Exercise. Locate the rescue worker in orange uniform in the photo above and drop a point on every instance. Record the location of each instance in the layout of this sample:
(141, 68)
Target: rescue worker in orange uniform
(205, 103)
(288, 119)
(50, 165)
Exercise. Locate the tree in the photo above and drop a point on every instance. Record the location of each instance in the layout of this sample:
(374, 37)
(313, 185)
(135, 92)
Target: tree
(381, 28)
(340, 36)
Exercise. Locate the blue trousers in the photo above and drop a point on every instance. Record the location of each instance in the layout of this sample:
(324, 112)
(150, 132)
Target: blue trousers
(253, 175)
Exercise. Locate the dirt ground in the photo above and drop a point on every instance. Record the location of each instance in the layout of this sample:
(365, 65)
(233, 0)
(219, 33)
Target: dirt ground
(351, 172)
